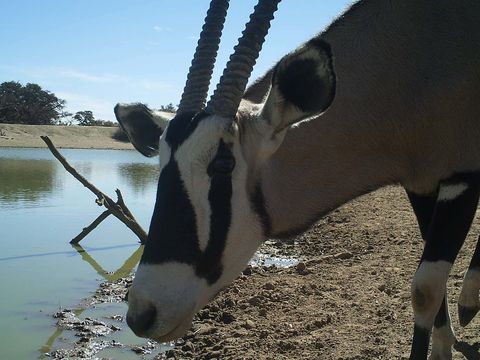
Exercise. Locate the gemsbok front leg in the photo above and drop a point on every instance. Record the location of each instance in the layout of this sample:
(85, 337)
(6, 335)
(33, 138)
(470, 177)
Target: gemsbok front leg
(468, 302)
(454, 210)
(443, 336)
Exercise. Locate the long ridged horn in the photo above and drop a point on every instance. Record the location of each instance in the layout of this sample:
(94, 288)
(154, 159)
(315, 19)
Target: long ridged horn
(228, 94)
(200, 72)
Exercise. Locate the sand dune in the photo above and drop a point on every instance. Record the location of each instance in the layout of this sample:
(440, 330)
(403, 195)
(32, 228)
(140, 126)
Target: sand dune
(76, 137)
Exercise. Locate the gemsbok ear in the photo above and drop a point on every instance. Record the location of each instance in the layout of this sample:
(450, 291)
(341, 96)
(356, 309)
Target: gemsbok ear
(303, 85)
(143, 126)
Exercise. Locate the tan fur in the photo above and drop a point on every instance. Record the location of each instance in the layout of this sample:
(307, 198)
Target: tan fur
(406, 109)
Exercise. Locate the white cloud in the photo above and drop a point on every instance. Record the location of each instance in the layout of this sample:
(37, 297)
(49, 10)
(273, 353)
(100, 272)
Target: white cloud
(152, 85)
(75, 74)
(63, 73)
(101, 109)
(158, 28)
(91, 91)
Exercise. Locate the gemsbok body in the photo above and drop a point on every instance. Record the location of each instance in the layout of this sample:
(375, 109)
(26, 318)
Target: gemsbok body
(387, 94)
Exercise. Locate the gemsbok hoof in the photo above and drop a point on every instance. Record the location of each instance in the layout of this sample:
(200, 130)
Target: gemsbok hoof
(466, 314)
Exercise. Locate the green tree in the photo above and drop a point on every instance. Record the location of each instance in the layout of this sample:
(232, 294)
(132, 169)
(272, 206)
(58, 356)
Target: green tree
(168, 108)
(29, 104)
(84, 118)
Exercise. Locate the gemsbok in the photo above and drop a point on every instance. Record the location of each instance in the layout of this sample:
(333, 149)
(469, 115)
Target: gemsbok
(401, 81)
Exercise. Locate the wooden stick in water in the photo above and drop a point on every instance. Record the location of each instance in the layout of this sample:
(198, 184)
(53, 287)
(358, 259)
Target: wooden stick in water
(116, 208)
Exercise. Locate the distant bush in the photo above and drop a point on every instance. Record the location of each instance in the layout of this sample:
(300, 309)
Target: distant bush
(120, 135)
(86, 118)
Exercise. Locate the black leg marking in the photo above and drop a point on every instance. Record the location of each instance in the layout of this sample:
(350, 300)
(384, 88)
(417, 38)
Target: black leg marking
(441, 318)
(469, 304)
(421, 338)
(423, 207)
(444, 235)
(452, 219)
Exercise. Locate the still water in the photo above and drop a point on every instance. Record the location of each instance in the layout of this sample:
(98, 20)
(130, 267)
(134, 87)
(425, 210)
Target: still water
(42, 208)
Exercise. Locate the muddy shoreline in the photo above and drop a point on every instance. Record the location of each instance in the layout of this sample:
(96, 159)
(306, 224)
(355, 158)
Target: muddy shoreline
(348, 298)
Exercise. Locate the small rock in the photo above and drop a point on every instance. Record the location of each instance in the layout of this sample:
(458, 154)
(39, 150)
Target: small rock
(137, 349)
(227, 318)
(268, 286)
(301, 268)
(249, 324)
(255, 301)
(205, 330)
(263, 334)
(229, 302)
(188, 346)
(343, 255)
(247, 271)
(214, 354)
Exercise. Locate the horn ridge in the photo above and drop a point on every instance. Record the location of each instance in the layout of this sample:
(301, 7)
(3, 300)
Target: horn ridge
(198, 79)
(229, 91)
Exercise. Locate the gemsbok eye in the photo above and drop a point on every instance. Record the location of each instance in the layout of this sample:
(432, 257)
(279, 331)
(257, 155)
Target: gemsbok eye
(221, 166)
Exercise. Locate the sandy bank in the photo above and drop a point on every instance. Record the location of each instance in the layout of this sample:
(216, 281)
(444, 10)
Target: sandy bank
(76, 137)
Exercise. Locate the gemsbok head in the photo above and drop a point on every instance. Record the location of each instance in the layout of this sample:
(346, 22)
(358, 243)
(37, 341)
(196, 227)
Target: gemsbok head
(209, 215)
(401, 81)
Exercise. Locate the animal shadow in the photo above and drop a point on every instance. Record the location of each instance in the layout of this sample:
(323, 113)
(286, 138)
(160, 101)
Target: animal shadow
(470, 351)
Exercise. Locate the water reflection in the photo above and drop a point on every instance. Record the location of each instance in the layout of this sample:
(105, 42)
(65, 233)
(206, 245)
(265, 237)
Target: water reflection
(41, 206)
(23, 180)
(140, 177)
(124, 270)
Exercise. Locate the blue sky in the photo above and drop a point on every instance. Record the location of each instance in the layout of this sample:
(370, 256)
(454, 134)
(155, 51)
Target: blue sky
(95, 53)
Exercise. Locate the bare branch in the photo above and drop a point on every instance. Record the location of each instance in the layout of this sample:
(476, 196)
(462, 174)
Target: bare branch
(90, 227)
(118, 209)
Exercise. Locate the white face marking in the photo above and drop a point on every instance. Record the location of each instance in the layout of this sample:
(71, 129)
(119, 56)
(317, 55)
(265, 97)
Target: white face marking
(430, 279)
(164, 152)
(450, 192)
(246, 233)
(173, 288)
(470, 289)
(193, 157)
(162, 118)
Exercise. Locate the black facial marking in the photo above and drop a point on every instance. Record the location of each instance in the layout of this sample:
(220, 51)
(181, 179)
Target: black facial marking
(223, 163)
(257, 200)
(300, 84)
(173, 230)
(181, 127)
(220, 199)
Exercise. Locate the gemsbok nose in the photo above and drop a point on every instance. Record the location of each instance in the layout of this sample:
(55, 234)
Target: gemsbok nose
(141, 322)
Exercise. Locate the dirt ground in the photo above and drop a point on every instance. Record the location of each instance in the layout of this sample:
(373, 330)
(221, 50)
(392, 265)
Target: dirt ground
(348, 298)
(75, 137)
